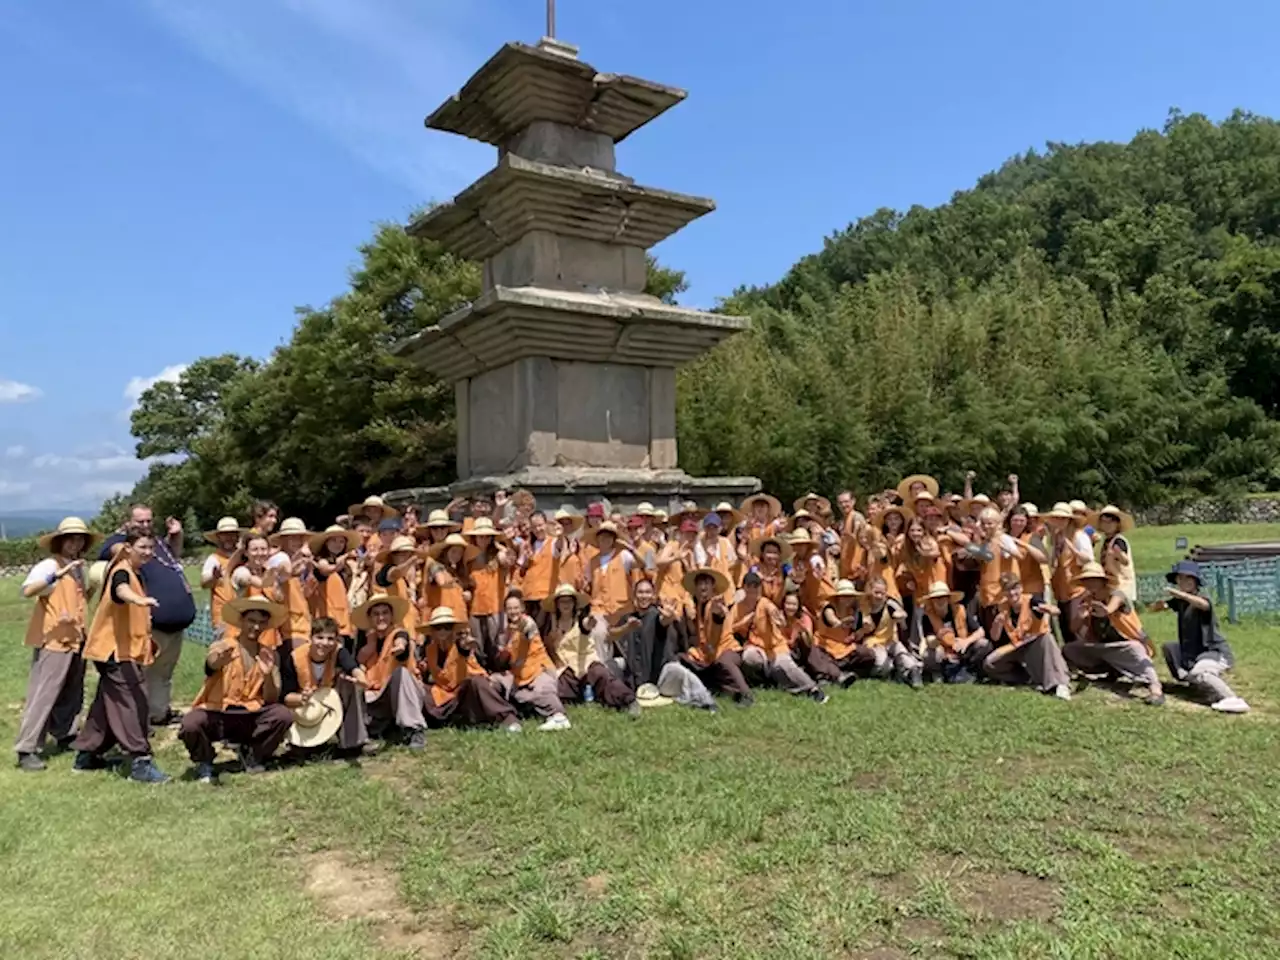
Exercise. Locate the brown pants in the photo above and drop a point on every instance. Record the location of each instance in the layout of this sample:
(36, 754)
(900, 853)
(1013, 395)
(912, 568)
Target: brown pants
(1037, 662)
(262, 731)
(782, 671)
(118, 713)
(541, 695)
(477, 704)
(826, 667)
(609, 690)
(723, 676)
(1072, 621)
(397, 704)
(55, 694)
(1126, 656)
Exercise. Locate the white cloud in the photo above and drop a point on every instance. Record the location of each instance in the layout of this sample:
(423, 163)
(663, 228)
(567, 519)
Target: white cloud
(362, 72)
(137, 386)
(16, 452)
(112, 464)
(13, 489)
(11, 391)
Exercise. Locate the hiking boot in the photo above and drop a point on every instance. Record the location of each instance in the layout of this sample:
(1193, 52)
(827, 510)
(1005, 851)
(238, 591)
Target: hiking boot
(248, 761)
(30, 763)
(205, 774)
(418, 741)
(86, 761)
(915, 679)
(847, 680)
(144, 770)
(818, 696)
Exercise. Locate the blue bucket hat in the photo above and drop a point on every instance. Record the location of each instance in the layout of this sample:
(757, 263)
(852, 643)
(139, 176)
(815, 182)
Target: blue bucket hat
(1186, 568)
(391, 524)
(712, 520)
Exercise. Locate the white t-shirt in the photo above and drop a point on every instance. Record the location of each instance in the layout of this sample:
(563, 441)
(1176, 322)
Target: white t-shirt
(603, 559)
(41, 573)
(211, 563)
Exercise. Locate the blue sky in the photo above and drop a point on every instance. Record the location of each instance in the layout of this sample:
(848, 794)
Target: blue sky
(177, 175)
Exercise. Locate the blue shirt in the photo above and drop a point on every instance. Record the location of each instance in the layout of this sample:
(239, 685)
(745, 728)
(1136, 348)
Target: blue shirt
(163, 579)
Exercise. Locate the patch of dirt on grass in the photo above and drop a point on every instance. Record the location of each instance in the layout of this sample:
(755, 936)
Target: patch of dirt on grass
(1008, 896)
(881, 953)
(346, 890)
(596, 885)
(922, 928)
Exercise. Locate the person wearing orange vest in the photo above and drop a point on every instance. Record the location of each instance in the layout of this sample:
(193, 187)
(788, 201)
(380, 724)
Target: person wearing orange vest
(770, 553)
(488, 573)
(578, 643)
(529, 674)
(393, 696)
(1115, 635)
(539, 562)
(953, 641)
(215, 575)
(879, 629)
(240, 699)
(1025, 651)
(835, 655)
(460, 691)
(320, 664)
(759, 625)
(1072, 550)
(56, 631)
(120, 646)
(332, 552)
(608, 571)
(713, 652)
(295, 580)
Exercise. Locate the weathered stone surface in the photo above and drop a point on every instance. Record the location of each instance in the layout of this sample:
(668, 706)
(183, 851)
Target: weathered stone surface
(563, 146)
(544, 259)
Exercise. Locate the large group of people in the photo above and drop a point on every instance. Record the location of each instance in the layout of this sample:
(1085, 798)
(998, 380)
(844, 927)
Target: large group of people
(491, 611)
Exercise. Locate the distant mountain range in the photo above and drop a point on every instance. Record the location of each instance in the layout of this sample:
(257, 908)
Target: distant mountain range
(24, 523)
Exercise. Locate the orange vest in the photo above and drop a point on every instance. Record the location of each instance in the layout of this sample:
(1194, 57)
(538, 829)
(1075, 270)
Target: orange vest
(1128, 624)
(922, 571)
(379, 665)
(837, 640)
(879, 565)
(989, 574)
(222, 591)
(448, 594)
(488, 587)
(269, 637)
(330, 600)
(292, 595)
(669, 582)
(121, 630)
(302, 666)
(444, 682)
(943, 631)
(773, 586)
(609, 585)
(886, 630)
(725, 559)
(761, 631)
(815, 590)
(235, 685)
(404, 589)
(529, 657)
(543, 574)
(1030, 572)
(1066, 567)
(713, 639)
(47, 628)
(852, 556)
(1029, 626)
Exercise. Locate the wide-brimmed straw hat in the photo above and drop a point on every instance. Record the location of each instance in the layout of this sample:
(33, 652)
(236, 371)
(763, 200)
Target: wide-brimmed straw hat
(938, 590)
(333, 532)
(1061, 511)
(845, 588)
(801, 538)
(589, 537)
(647, 695)
(373, 506)
(441, 518)
(645, 509)
(225, 525)
(1030, 509)
(824, 505)
(691, 579)
(469, 550)
(441, 617)
(774, 504)
(784, 548)
(399, 544)
(399, 608)
(904, 487)
(565, 590)
(292, 527)
(233, 611)
(69, 527)
(317, 721)
(736, 516)
(1124, 519)
(575, 520)
(1091, 571)
(483, 527)
(905, 512)
(689, 509)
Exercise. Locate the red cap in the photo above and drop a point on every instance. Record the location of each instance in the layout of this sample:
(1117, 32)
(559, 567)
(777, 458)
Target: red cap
(595, 510)
(688, 525)
(635, 523)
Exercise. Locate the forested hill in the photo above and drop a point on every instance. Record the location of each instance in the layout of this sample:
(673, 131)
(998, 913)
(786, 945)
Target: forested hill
(1102, 319)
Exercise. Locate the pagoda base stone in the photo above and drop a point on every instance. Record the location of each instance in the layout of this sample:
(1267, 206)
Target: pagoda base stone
(622, 490)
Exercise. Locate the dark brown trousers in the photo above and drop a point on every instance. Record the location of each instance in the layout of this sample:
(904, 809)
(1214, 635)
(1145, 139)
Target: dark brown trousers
(723, 676)
(609, 690)
(823, 666)
(119, 711)
(478, 704)
(262, 731)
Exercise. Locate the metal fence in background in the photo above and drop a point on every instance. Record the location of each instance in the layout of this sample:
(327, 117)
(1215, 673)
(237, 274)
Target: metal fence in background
(1243, 588)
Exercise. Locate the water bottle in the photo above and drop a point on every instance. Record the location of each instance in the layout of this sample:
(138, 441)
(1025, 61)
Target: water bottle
(588, 693)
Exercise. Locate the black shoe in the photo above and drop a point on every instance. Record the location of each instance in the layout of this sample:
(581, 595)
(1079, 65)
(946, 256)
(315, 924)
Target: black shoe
(847, 680)
(64, 744)
(418, 741)
(248, 761)
(144, 770)
(817, 695)
(746, 700)
(31, 763)
(86, 761)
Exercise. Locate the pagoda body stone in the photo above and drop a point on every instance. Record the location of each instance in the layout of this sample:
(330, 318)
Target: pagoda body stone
(564, 368)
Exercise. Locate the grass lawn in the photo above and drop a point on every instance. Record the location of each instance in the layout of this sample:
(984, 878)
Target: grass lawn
(972, 822)
(1155, 551)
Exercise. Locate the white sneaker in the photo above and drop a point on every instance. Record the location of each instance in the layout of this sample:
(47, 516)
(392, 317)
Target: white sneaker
(1231, 705)
(1062, 691)
(557, 722)
(513, 727)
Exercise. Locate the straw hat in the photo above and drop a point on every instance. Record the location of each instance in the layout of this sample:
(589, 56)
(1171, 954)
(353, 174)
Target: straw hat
(93, 579)
(360, 615)
(905, 512)
(1091, 571)
(565, 590)
(691, 578)
(441, 518)
(645, 509)
(292, 527)
(67, 527)
(824, 505)
(660, 517)
(1125, 520)
(689, 509)
(845, 588)
(483, 527)
(904, 488)
(607, 527)
(775, 505)
(318, 720)
(801, 538)
(225, 525)
(574, 520)
(233, 611)
(735, 515)
(758, 545)
(938, 590)
(1061, 511)
(1030, 509)
(441, 617)
(469, 550)
(399, 544)
(647, 695)
(374, 507)
(332, 532)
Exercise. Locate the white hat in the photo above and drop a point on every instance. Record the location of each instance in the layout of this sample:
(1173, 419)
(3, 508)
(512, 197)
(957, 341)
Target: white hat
(225, 525)
(318, 720)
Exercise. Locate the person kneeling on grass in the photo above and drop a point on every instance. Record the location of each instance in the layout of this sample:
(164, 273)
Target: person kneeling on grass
(239, 699)
(393, 696)
(529, 675)
(1025, 649)
(762, 629)
(1200, 655)
(578, 643)
(881, 625)
(460, 691)
(320, 665)
(954, 643)
(713, 655)
(1116, 637)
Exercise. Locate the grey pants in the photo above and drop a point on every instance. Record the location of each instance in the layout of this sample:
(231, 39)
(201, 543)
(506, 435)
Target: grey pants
(55, 694)
(782, 671)
(354, 731)
(399, 703)
(683, 686)
(542, 695)
(1205, 674)
(1038, 661)
(160, 673)
(1127, 656)
(891, 658)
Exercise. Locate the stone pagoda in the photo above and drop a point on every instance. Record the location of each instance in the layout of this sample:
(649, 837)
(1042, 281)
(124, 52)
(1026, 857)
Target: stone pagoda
(564, 368)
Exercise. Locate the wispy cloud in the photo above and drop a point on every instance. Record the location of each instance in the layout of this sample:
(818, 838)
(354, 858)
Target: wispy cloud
(11, 391)
(364, 72)
(16, 452)
(137, 386)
